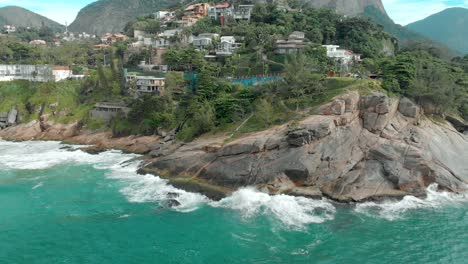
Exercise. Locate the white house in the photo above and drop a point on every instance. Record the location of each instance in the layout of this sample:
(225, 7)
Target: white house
(33, 73)
(9, 29)
(61, 73)
(227, 46)
(162, 15)
(342, 55)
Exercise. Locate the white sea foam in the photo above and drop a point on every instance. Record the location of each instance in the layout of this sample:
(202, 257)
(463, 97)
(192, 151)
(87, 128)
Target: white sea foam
(37, 186)
(393, 210)
(35, 155)
(291, 211)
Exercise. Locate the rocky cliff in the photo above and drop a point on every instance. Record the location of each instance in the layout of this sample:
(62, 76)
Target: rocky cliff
(20, 17)
(356, 148)
(45, 129)
(350, 8)
(112, 15)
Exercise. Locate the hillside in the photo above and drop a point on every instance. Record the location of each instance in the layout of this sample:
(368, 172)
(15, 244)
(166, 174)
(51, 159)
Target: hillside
(350, 8)
(449, 27)
(20, 17)
(112, 15)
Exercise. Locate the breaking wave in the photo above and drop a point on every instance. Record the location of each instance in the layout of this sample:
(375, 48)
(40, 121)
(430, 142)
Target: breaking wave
(249, 202)
(393, 210)
(291, 211)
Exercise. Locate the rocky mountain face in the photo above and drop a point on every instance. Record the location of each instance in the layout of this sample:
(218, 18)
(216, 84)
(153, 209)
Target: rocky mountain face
(350, 8)
(449, 27)
(112, 15)
(20, 17)
(355, 149)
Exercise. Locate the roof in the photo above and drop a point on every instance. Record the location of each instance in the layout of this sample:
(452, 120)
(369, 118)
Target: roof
(60, 68)
(101, 46)
(223, 5)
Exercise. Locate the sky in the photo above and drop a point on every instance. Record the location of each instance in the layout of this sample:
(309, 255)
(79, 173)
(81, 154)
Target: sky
(401, 11)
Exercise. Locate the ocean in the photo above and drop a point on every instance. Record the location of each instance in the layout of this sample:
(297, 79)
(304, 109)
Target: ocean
(61, 205)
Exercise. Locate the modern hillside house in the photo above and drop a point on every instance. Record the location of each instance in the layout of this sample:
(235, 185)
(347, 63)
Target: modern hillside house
(243, 12)
(221, 12)
(193, 13)
(61, 73)
(33, 73)
(294, 43)
(108, 111)
(345, 58)
(140, 85)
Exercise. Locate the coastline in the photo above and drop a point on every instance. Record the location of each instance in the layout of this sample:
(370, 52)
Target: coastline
(73, 134)
(357, 148)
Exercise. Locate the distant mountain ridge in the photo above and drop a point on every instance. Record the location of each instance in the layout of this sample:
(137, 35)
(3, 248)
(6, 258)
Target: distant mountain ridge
(21, 17)
(347, 7)
(449, 27)
(105, 16)
(112, 15)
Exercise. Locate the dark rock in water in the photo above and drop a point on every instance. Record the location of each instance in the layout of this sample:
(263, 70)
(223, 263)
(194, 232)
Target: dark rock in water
(172, 195)
(170, 203)
(93, 150)
(68, 148)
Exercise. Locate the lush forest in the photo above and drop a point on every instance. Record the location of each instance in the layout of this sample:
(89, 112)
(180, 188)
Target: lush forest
(214, 103)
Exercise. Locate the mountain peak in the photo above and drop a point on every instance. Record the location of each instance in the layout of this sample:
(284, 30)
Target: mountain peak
(21, 17)
(449, 26)
(347, 7)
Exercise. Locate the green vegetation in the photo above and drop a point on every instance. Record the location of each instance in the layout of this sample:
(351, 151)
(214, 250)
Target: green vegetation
(200, 96)
(439, 86)
(33, 99)
(447, 27)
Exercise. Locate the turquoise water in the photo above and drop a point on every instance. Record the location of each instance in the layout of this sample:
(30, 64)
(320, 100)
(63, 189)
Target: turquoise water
(60, 205)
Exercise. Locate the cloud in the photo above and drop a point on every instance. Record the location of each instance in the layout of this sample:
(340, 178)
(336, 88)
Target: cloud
(408, 11)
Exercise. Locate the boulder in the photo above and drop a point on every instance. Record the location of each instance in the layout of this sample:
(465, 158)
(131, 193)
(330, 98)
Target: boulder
(310, 130)
(12, 117)
(408, 108)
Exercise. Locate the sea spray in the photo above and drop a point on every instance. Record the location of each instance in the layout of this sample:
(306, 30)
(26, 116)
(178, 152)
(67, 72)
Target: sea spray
(249, 202)
(393, 210)
(97, 209)
(291, 211)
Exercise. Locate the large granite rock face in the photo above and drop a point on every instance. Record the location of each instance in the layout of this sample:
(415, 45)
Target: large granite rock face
(357, 148)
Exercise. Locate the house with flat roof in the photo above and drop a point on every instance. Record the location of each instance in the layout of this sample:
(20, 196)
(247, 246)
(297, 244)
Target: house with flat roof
(193, 13)
(32, 73)
(227, 46)
(108, 111)
(294, 43)
(243, 12)
(139, 85)
(345, 56)
(61, 73)
(220, 12)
